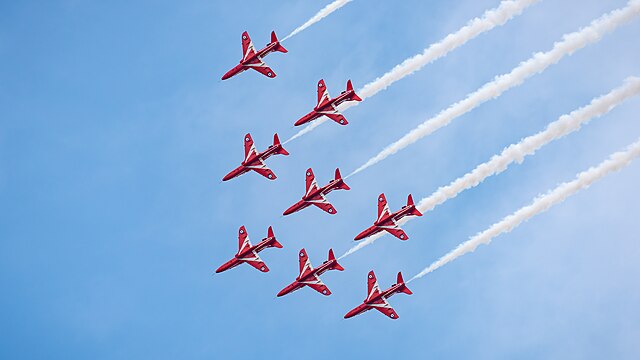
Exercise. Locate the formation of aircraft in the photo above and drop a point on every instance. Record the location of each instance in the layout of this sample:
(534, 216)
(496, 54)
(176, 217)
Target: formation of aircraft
(311, 277)
(388, 221)
(377, 299)
(252, 59)
(248, 253)
(328, 106)
(253, 160)
(315, 195)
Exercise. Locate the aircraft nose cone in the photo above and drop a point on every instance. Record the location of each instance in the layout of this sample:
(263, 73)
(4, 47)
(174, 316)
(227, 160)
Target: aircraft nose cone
(228, 74)
(361, 236)
(289, 211)
(349, 314)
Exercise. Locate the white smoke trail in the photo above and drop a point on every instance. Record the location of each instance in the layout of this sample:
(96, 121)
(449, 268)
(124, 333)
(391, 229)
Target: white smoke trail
(516, 152)
(324, 12)
(368, 241)
(536, 64)
(565, 125)
(542, 203)
(307, 129)
(489, 20)
(507, 10)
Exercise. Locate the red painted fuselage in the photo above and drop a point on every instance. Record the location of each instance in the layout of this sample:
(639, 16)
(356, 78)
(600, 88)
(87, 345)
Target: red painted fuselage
(255, 160)
(248, 253)
(315, 195)
(252, 59)
(310, 276)
(388, 221)
(377, 299)
(328, 106)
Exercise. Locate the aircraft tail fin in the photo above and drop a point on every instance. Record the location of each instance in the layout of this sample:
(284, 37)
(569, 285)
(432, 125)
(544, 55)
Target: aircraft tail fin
(336, 266)
(276, 142)
(271, 235)
(274, 39)
(404, 288)
(411, 204)
(355, 97)
(342, 185)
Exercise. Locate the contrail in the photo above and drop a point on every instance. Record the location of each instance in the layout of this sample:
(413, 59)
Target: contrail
(368, 241)
(542, 203)
(565, 125)
(307, 129)
(324, 12)
(507, 10)
(536, 64)
(490, 19)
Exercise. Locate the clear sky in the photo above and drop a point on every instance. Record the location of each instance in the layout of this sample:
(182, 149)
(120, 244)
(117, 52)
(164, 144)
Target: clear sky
(116, 130)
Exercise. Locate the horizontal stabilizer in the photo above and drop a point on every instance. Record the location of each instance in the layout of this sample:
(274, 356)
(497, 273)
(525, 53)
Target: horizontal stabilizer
(274, 242)
(411, 204)
(274, 39)
(336, 266)
(404, 288)
(354, 97)
(276, 142)
(342, 185)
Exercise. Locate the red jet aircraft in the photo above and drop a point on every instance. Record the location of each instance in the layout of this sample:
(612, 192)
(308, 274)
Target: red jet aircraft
(252, 59)
(388, 221)
(315, 195)
(377, 299)
(249, 254)
(328, 106)
(255, 161)
(311, 277)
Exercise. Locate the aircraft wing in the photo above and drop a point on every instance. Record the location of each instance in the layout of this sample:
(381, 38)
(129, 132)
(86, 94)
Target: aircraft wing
(384, 307)
(324, 204)
(249, 147)
(337, 117)
(311, 184)
(383, 208)
(243, 239)
(319, 286)
(247, 46)
(263, 170)
(323, 93)
(373, 288)
(255, 261)
(396, 231)
(260, 265)
(305, 264)
(263, 69)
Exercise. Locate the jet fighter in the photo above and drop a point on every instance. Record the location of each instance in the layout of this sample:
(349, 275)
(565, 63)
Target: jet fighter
(252, 59)
(315, 195)
(248, 253)
(377, 299)
(311, 277)
(329, 106)
(389, 221)
(255, 161)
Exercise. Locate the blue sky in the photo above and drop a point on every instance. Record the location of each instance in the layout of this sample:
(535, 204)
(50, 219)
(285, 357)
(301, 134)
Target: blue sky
(116, 132)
